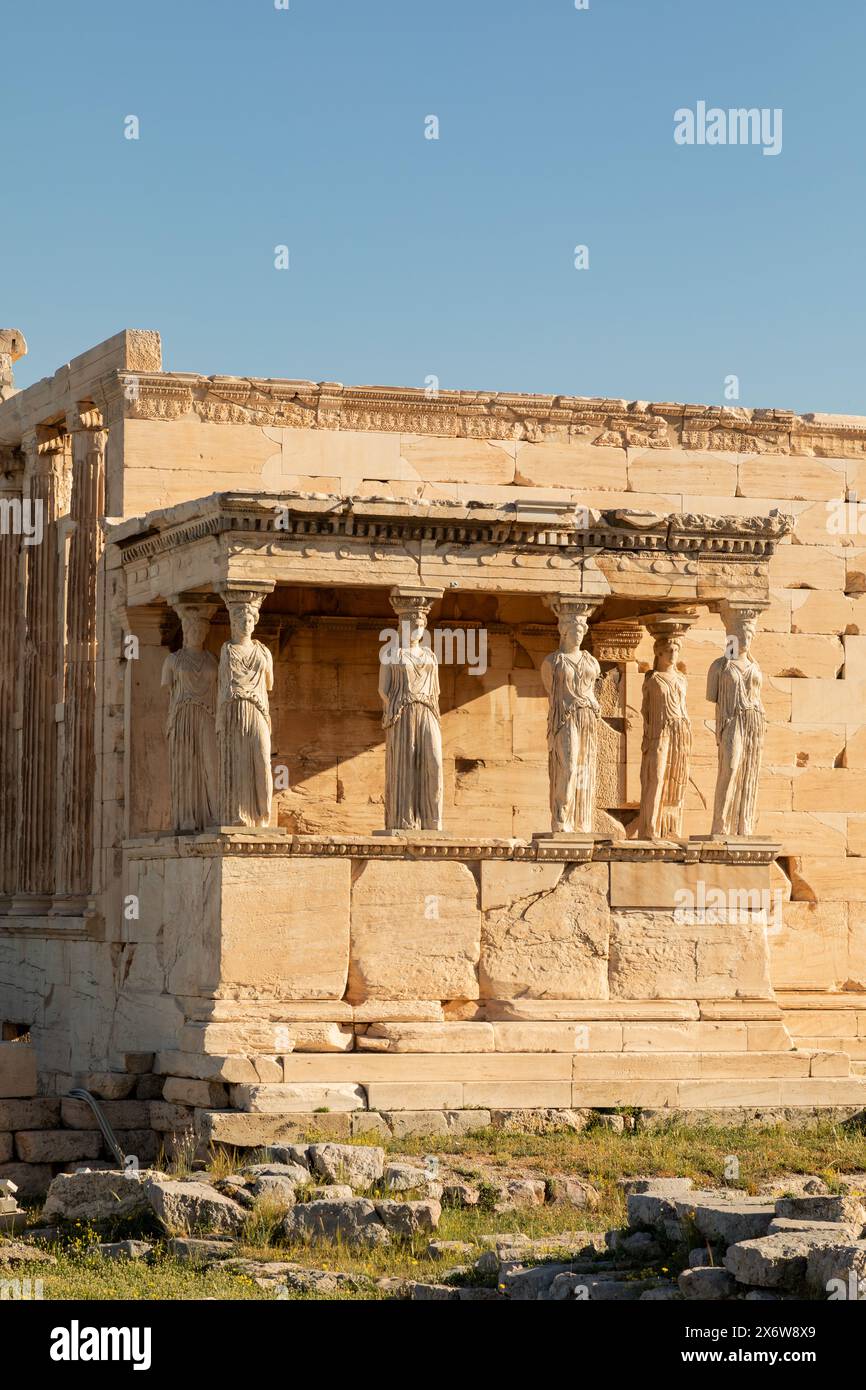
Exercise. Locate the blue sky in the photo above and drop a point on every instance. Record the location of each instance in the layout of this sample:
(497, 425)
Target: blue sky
(454, 258)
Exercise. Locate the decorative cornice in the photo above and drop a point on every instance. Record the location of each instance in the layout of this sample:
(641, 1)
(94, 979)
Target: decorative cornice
(277, 843)
(601, 421)
(293, 517)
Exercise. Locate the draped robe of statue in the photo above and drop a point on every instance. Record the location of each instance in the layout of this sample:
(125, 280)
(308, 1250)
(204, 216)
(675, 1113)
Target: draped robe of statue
(191, 676)
(667, 742)
(246, 674)
(735, 686)
(572, 733)
(413, 740)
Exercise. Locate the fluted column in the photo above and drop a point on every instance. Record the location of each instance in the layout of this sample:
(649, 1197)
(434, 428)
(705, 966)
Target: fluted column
(79, 713)
(10, 657)
(46, 486)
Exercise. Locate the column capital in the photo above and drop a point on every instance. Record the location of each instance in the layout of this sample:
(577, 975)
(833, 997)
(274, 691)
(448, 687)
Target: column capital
(670, 622)
(244, 591)
(572, 605)
(410, 600)
(738, 610)
(616, 639)
(84, 417)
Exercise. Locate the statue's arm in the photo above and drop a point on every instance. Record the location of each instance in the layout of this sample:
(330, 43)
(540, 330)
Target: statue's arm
(168, 670)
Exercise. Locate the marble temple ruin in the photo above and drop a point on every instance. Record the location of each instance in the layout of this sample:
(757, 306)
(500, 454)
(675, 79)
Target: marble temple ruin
(366, 750)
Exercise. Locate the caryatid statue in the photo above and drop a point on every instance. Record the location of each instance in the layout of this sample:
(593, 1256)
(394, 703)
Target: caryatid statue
(409, 690)
(667, 735)
(191, 676)
(734, 687)
(243, 722)
(570, 676)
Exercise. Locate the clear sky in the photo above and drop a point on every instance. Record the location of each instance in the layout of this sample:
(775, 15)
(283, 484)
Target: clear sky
(411, 257)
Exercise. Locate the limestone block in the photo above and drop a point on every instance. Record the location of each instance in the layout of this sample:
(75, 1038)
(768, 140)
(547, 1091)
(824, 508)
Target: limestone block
(416, 931)
(689, 1037)
(250, 1070)
(577, 464)
(193, 1206)
(17, 1070)
(775, 1261)
(856, 835)
(817, 878)
(299, 947)
(30, 1179)
(285, 1099)
(444, 1095)
(550, 942)
(821, 611)
(588, 1011)
(811, 947)
(557, 1037)
(168, 1118)
(253, 1131)
(617, 1092)
(807, 567)
(830, 789)
(837, 1268)
(827, 702)
(209, 1095)
(121, 1114)
(428, 1037)
(30, 1114)
(795, 476)
(780, 654)
(672, 470)
(654, 957)
(399, 1011)
(56, 1145)
(360, 1068)
(632, 886)
(515, 1094)
(468, 461)
(824, 1090)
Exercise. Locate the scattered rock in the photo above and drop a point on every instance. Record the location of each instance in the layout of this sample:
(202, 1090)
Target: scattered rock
(456, 1193)
(849, 1209)
(197, 1250)
(707, 1282)
(520, 1192)
(838, 1270)
(96, 1196)
(294, 1173)
(406, 1219)
(575, 1192)
(19, 1252)
(444, 1249)
(725, 1218)
(774, 1261)
(540, 1121)
(432, 1293)
(328, 1192)
(355, 1222)
(193, 1206)
(279, 1191)
(125, 1249)
(359, 1165)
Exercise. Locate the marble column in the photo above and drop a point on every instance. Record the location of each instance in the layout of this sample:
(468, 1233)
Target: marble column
(243, 719)
(667, 732)
(734, 686)
(87, 507)
(10, 660)
(47, 488)
(571, 679)
(409, 691)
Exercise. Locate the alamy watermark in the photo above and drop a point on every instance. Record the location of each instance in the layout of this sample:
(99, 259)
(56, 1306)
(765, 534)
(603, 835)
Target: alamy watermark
(451, 646)
(737, 126)
(705, 905)
(22, 517)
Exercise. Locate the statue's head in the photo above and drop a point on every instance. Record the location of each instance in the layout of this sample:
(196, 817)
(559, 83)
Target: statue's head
(742, 627)
(195, 630)
(243, 618)
(413, 628)
(667, 653)
(572, 629)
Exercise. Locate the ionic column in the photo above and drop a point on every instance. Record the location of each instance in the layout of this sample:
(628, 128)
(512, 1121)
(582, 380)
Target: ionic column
(79, 714)
(46, 488)
(11, 519)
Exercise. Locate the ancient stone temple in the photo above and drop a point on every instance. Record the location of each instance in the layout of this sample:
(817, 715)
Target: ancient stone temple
(367, 751)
